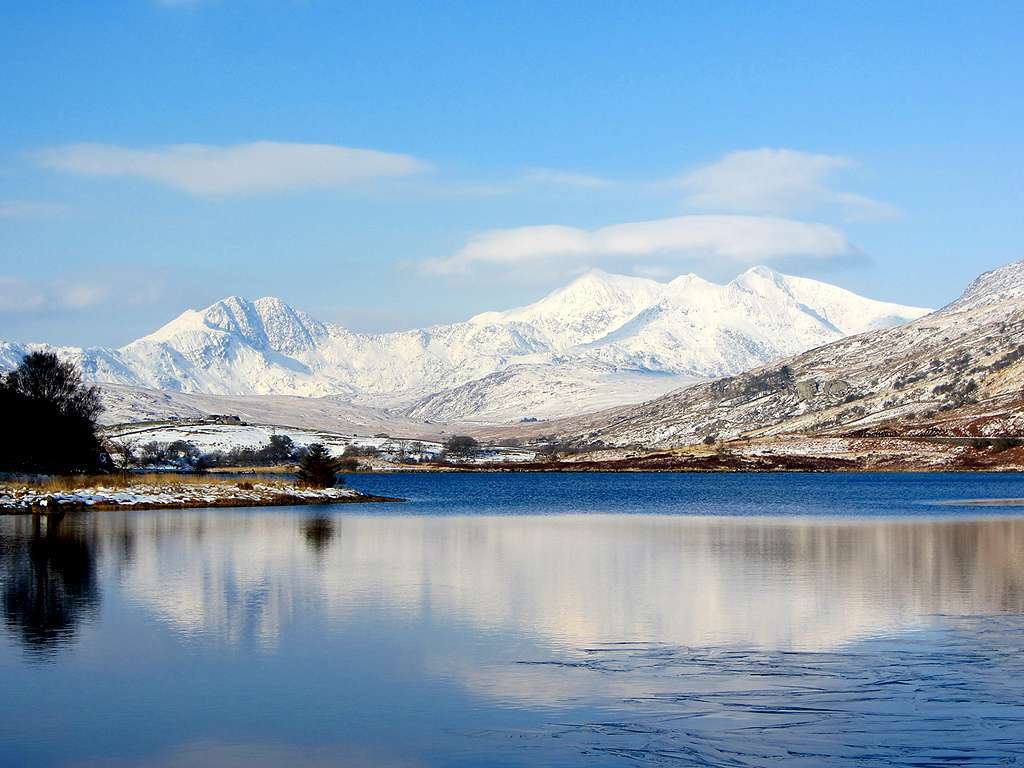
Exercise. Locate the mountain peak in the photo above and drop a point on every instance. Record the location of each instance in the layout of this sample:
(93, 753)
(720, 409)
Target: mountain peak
(591, 306)
(760, 271)
(599, 278)
(1002, 284)
(268, 323)
(759, 278)
(595, 273)
(598, 322)
(690, 279)
(273, 303)
(232, 301)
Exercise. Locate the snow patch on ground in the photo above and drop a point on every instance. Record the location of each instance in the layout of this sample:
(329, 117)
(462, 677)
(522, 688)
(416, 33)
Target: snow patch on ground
(224, 437)
(25, 498)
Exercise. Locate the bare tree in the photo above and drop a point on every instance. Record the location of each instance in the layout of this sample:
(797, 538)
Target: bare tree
(123, 453)
(49, 418)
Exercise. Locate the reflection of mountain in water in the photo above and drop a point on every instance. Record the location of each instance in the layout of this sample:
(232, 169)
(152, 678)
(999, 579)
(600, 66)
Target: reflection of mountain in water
(690, 581)
(49, 582)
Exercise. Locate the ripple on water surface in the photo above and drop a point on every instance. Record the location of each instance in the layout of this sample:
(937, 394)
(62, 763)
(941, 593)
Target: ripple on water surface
(739, 621)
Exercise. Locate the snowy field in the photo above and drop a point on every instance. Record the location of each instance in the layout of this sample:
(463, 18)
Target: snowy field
(224, 437)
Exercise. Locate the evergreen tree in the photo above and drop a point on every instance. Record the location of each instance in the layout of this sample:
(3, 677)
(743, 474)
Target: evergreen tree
(318, 468)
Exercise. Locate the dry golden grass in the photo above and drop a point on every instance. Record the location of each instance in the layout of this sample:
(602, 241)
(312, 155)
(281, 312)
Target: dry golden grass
(272, 469)
(68, 483)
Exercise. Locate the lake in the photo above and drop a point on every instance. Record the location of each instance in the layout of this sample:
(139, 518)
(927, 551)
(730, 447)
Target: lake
(526, 620)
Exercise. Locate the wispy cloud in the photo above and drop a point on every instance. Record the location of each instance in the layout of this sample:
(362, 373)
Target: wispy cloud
(743, 239)
(17, 295)
(775, 181)
(241, 169)
(750, 182)
(26, 209)
(531, 182)
(858, 207)
(128, 287)
(556, 178)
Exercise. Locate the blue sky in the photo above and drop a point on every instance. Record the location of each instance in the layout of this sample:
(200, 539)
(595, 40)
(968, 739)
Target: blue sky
(388, 165)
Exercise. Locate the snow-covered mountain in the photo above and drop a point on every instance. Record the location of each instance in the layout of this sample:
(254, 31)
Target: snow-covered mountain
(957, 371)
(707, 330)
(610, 339)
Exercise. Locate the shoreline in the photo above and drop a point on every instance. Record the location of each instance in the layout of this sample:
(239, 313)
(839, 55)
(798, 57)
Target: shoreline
(25, 500)
(628, 466)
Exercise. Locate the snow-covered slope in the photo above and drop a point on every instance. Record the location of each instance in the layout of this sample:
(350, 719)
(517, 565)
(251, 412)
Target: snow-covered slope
(706, 330)
(967, 357)
(587, 309)
(609, 339)
(542, 391)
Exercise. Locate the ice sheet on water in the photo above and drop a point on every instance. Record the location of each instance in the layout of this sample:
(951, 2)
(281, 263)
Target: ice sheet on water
(949, 696)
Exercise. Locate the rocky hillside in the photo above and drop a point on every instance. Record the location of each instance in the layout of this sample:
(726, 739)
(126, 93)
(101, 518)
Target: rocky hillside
(957, 371)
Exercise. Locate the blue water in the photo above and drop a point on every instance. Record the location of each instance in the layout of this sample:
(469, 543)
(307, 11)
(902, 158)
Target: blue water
(846, 494)
(495, 619)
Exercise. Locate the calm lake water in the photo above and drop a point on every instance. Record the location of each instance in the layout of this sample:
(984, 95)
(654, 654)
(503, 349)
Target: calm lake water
(526, 620)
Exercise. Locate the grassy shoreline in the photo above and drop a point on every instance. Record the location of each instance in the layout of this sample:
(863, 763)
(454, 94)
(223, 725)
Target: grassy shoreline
(147, 492)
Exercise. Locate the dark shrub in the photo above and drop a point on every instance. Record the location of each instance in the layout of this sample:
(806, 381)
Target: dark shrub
(461, 446)
(50, 417)
(318, 468)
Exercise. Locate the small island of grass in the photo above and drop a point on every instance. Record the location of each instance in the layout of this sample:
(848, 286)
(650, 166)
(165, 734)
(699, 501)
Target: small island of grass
(163, 492)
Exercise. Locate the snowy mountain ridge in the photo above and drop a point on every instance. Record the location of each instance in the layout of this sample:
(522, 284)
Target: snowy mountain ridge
(961, 367)
(618, 337)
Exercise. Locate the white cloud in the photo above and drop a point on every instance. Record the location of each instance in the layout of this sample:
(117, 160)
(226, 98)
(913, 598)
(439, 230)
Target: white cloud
(83, 295)
(858, 207)
(555, 178)
(26, 209)
(19, 296)
(127, 287)
(259, 167)
(775, 181)
(743, 239)
(528, 182)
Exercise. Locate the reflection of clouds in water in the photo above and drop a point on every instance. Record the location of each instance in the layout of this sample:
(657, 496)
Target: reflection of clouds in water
(574, 580)
(222, 575)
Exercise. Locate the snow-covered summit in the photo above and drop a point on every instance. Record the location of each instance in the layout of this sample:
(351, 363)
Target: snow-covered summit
(598, 328)
(586, 309)
(1001, 285)
(703, 329)
(266, 323)
(960, 365)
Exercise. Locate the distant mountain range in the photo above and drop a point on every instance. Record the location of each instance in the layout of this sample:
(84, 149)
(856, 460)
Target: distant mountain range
(601, 341)
(957, 372)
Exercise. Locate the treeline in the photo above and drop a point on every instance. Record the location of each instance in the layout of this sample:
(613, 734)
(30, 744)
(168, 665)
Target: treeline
(50, 419)
(280, 449)
(183, 455)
